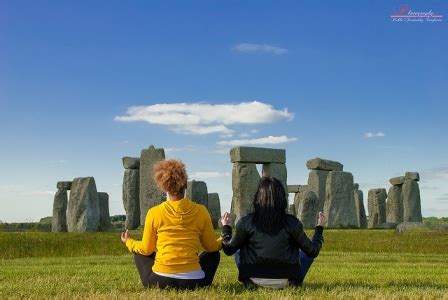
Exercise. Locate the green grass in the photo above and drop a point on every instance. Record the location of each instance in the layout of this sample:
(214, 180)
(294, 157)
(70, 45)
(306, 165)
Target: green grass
(353, 264)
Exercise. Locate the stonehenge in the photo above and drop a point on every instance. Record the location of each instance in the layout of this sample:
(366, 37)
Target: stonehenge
(149, 195)
(83, 213)
(197, 192)
(359, 204)
(339, 206)
(85, 210)
(377, 207)
(131, 187)
(245, 176)
(306, 208)
(59, 220)
(214, 208)
(103, 201)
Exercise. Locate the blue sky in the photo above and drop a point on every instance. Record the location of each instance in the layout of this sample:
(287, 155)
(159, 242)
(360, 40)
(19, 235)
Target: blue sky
(338, 80)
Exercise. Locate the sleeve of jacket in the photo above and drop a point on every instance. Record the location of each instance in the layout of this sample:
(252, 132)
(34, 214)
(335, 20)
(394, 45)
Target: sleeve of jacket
(148, 243)
(208, 237)
(310, 247)
(231, 244)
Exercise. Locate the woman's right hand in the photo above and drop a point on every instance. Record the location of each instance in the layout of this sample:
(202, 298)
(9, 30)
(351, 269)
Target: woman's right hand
(226, 220)
(322, 220)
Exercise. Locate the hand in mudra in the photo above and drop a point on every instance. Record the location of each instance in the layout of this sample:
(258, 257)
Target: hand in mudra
(226, 220)
(322, 220)
(125, 235)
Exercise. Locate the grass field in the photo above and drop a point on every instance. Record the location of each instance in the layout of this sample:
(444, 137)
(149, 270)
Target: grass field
(352, 264)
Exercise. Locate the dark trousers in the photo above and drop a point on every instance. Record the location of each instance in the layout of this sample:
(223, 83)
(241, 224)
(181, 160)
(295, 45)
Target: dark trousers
(305, 264)
(209, 262)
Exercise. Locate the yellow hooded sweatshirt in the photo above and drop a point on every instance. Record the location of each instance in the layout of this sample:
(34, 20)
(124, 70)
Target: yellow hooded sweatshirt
(177, 229)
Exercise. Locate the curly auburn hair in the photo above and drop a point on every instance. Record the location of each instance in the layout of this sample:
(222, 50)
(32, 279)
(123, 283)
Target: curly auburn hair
(171, 176)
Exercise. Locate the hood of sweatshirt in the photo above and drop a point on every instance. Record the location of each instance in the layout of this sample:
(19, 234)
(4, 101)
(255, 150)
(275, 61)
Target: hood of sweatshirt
(182, 211)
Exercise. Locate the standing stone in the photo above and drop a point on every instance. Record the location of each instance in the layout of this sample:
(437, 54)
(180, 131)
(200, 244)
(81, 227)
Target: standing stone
(214, 207)
(394, 205)
(59, 219)
(377, 207)
(149, 194)
(131, 201)
(323, 164)
(245, 178)
(277, 171)
(292, 209)
(306, 209)
(103, 200)
(197, 192)
(360, 210)
(412, 211)
(339, 204)
(317, 182)
(64, 185)
(83, 212)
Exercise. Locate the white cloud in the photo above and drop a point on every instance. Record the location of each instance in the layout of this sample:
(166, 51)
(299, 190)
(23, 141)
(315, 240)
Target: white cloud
(269, 140)
(369, 135)
(207, 175)
(203, 118)
(439, 174)
(41, 193)
(259, 48)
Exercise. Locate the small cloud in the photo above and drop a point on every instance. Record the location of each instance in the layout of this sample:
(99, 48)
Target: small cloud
(251, 48)
(207, 175)
(439, 173)
(63, 161)
(188, 148)
(204, 118)
(41, 193)
(369, 135)
(269, 140)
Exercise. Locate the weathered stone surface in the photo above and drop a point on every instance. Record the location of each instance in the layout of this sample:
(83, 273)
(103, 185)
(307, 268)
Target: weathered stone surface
(394, 205)
(292, 209)
(64, 185)
(412, 210)
(356, 186)
(131, 203)
(131, 162)
(214, 207)
(408, 226)
(83, 213)
(197, 192)
(306, 209)
(339, 204)
(245, 178)
(377, 207)
(317, 182)
(277, 171)
(257, 155)
(323, 164)
(103, 200)
(360, 210)
(149, 194)
(397, 180)
(412, 175)
(387, 225)
(59, 219)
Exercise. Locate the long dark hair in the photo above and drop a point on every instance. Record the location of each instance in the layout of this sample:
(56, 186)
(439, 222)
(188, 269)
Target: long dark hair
(269, 205)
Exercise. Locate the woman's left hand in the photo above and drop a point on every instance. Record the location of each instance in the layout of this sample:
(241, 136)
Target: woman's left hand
(125, 235)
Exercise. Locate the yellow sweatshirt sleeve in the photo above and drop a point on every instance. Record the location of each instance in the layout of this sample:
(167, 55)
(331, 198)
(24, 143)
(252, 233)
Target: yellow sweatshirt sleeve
(148, 243)
(208, 237)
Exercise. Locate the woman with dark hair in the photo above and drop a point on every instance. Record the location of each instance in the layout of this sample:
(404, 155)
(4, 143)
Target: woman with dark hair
(270, 246)
(167, 255)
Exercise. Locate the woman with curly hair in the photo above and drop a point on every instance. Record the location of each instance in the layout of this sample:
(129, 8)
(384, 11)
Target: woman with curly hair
(167, 255)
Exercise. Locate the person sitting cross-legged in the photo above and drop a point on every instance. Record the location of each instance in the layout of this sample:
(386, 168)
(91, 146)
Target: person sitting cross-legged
(174, 230)
(270, 246)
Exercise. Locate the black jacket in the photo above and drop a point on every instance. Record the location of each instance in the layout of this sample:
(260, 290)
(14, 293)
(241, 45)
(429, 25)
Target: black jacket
(270, 256)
